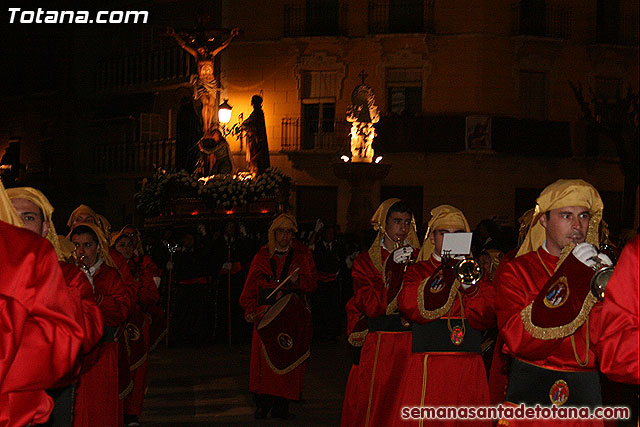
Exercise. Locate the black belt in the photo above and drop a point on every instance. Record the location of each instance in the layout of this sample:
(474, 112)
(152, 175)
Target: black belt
(110, 333)
(531, 385)
(264, 293)
(355, 354)
(435, 337)
(390, 323)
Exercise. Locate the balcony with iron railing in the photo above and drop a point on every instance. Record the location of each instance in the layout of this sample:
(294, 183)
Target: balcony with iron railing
(403, 16)
(141, 157)
(541, 21)
(315, 19)
(314, 136)
(169, 65)
(622, 31)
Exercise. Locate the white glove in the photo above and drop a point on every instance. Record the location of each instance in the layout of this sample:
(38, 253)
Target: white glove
(319, 225)
(402, 255)
(226, 266)
(589, 256)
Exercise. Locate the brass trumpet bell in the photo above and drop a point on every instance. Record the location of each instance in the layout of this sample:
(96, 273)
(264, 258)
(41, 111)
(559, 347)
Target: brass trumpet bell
(468, 271)
(599, 282)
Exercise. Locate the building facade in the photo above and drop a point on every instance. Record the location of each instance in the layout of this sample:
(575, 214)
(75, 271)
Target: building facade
(476, 107)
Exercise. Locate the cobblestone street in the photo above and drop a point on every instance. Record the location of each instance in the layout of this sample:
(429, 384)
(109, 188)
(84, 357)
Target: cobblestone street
(209, 386)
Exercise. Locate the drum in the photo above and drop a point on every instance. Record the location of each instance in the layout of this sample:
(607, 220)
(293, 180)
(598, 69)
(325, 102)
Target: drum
(136, 327)
(125, 382)
(285, 332)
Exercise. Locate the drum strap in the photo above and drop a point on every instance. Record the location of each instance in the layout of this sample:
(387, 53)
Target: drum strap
(285, 268)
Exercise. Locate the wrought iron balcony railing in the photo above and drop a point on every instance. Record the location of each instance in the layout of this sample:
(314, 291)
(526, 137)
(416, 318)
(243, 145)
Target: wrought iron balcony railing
(161, 65)
(402, 16)
(315, 19)
(298, 135)
(622, 31)
(135, 157)
(541, 21)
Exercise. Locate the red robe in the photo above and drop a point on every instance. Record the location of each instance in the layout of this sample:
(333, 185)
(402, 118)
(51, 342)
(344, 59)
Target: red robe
(97, 402)
(88, 312)
(158, 321)
(383, 358)
(452, 379)
(517, 285)
(41, 339)
(146, 296)
(499, 372)
(350, 414)
(81, 289)
(262, 379)
(617, 348)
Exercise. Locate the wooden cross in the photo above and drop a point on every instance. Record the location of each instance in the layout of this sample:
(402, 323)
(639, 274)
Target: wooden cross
(363, 75)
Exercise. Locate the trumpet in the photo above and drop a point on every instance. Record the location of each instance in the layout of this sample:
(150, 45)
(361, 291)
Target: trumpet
(467, 270)
(80, 263)
(603, 272)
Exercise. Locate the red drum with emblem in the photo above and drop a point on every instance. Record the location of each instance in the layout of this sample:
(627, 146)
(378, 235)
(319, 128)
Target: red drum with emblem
(125, 382)
(285, 332)
(135, 327)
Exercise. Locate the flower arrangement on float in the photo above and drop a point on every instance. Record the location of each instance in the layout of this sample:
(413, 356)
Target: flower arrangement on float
(182, 193)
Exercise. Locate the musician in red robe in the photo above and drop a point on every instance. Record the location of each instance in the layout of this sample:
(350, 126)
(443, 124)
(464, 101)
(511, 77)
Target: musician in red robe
(617, 347)
(445, 367)
(561, 370)
(83, 214)
(371, 395)
(36, 213)
(283, 258)
(40, 336)
(146, 295)
(97, 397)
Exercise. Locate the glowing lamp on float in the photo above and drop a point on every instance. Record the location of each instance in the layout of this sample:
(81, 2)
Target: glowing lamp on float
(224, 112)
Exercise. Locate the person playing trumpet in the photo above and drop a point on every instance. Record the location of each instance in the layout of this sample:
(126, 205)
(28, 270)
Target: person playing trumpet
(371, 397)
(444, 366)
(546, 314)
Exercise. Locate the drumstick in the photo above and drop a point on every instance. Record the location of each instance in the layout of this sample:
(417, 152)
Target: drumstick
(283, 282)
(276, 290)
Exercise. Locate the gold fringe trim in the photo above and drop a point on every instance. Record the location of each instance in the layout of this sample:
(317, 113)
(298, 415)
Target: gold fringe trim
(566, 251)
(138, 363)
(126, 391)
(392, 308)
(289, 368)
(158, 340)
(356, 339)
(373, 378)
(375, 254)
(558, 331)
(439, 312)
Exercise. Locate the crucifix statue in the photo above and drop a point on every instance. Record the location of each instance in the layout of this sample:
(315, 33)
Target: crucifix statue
(204, 47)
